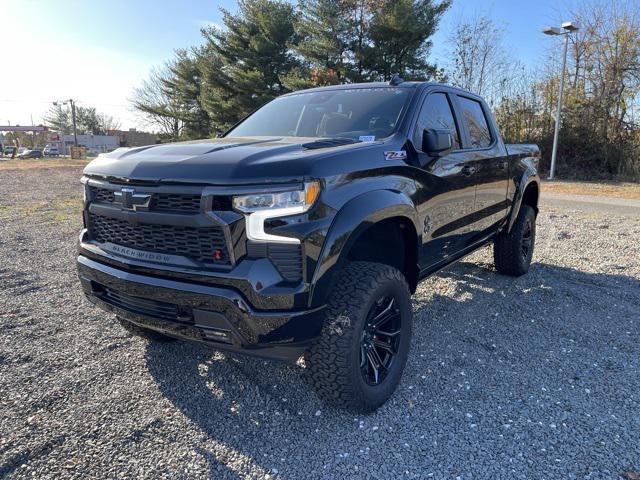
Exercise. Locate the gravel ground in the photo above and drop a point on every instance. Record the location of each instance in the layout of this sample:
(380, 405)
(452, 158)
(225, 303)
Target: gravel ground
(529, 378)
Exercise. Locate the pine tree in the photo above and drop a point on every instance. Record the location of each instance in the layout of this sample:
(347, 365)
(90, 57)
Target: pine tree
(88, 120)
(399, 38)
(325, 28)
(270, 47)
(245, 64)
(158, 105)
(186, 83)
(59, 119)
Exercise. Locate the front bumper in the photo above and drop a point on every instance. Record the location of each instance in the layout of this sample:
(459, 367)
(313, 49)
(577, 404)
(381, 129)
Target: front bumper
(217, 316)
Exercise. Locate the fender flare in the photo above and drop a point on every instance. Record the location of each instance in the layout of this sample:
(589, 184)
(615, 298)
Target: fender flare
(353, 219)
(528, 178)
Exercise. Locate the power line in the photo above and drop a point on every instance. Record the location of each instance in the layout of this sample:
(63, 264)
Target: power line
(7, 100)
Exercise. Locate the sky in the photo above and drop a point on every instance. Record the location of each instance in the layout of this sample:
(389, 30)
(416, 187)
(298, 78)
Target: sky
(98, 51)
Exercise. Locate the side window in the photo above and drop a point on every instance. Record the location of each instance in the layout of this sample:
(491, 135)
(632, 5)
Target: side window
(474, 118)
(436, 113)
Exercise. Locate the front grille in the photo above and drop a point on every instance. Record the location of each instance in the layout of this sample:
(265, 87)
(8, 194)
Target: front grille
(160, 202)
(200, 244)
(286, 257)
(144, 306)
(173, 202)
(102, 195)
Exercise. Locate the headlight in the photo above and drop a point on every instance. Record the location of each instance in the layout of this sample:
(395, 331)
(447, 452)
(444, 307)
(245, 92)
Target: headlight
(262, 206)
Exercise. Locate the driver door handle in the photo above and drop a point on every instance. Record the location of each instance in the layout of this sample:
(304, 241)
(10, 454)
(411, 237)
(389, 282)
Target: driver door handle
(468, 170)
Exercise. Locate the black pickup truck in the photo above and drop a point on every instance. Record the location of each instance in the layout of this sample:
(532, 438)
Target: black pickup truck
(304, 230)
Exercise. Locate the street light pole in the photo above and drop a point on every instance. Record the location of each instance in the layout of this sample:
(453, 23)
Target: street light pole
(569, 27)
(556, 132)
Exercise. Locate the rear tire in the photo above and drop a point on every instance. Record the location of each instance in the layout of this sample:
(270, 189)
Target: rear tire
(368, 323)
(512, 252)
(145, 333)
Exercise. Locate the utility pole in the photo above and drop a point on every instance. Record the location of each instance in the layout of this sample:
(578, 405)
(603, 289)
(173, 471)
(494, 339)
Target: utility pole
(569, 27)
(73, 117)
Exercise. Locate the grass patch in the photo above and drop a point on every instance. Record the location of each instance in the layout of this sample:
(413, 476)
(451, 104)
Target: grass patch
(30, 164)
(54, 211)
(626, 190)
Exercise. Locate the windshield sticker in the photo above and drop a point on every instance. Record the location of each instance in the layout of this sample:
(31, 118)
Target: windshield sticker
(397, 155)
(367, 138)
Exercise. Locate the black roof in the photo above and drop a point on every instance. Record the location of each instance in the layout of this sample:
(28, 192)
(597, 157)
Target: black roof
(350, 86)
(411, 84)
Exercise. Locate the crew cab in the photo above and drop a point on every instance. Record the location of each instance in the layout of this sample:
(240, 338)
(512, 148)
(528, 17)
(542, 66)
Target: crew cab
(305, 229)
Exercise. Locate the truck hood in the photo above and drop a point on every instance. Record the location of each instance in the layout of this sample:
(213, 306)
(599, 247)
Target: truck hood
(223, 161)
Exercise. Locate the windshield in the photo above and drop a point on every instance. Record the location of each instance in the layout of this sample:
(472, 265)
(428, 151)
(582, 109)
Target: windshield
(357, 113)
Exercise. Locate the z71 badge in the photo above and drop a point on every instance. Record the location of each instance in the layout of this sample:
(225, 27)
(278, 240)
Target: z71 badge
(397, 155)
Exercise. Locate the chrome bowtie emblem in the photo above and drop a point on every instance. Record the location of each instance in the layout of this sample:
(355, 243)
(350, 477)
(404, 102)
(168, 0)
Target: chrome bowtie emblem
(131, 200)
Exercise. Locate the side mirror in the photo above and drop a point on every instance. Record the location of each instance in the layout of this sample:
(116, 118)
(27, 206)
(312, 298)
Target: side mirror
(434, 142)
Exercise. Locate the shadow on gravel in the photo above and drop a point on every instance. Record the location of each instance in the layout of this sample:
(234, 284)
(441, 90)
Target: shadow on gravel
(509, 337)
(233, 400)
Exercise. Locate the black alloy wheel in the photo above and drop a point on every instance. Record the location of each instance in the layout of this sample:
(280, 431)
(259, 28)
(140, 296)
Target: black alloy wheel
(358, 359)
(380, 340)
(513, 249)
(527, 239)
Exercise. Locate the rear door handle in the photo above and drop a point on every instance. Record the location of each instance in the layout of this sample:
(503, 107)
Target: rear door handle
(503, 165)
(468, 170)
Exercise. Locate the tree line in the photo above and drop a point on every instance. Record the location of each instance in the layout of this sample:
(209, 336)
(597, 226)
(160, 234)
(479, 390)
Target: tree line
(88, 120)
(271, 47)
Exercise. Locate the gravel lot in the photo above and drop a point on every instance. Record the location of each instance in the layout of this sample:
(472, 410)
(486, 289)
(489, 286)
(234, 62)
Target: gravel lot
(529, 378)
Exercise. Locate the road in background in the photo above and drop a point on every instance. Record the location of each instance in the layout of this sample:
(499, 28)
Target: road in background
(589, 203)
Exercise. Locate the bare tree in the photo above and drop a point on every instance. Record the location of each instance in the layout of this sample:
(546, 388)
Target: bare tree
(605, 94)
(159, 105)
(89, 120)
(107, 123)
(478, 56)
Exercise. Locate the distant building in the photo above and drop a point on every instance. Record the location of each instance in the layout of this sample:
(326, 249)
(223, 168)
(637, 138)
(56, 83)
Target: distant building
(93, 143)
(134, 138)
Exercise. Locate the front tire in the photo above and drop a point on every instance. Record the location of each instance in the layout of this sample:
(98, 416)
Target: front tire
(513, 251)
(358, 360)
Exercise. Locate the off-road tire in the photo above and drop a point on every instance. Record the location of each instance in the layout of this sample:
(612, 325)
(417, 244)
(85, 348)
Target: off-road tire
(145, 333)
(333, 363)
(508, 254)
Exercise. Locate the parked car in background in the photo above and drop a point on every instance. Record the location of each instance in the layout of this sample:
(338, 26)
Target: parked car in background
(93, 152)
(51, 152)
(9, 150)
(34, 153)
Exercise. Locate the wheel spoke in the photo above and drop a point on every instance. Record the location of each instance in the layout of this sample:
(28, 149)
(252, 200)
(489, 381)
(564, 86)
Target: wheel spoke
(374, 365)
(377, 358)
(388, 334)
(384, 316)
(383, 346)
(378, 346)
